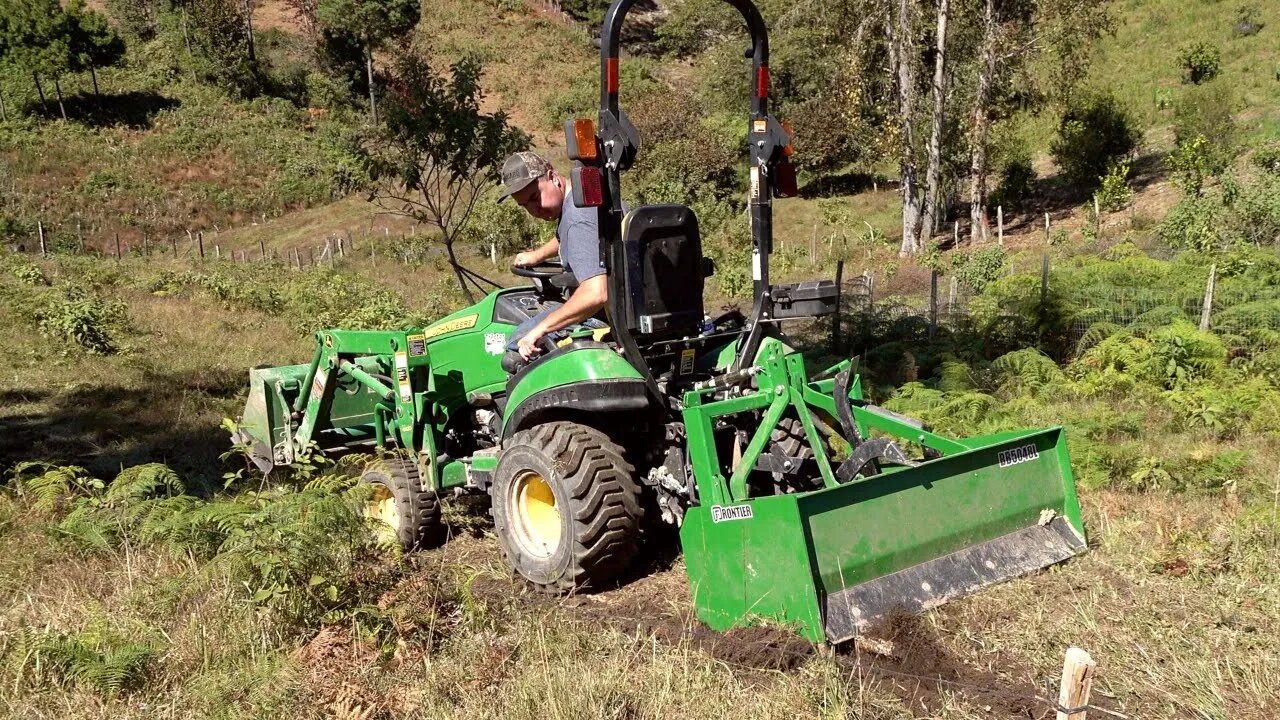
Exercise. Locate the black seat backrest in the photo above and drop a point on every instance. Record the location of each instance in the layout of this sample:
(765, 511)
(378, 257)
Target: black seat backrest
(664, 272)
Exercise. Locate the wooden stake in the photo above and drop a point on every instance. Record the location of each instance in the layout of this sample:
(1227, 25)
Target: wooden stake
(493, 254)
(1000, 225)
(174, 242)
(1048, 239)
(262, 244)
(217, 251)
(311, 257)
(1207, 309)
(1077, 680)
(341, 250)
(933, 303)
(40, 231)
(813, 246)
(146, 243)
(297, 258)
(200, 243)
(80, 237)
(951, 294)
(955, 235)
(117, 246)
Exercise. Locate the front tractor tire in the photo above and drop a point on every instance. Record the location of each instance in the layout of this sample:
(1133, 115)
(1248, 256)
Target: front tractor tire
(409, 513)
(566, 507)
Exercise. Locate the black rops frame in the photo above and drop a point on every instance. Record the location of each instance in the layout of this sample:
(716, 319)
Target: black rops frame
(619, 143)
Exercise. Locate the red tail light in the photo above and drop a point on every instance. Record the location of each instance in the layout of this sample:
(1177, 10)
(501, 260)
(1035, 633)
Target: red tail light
(588, 187)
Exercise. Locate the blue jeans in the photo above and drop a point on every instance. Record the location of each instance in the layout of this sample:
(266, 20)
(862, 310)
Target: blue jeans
(525, 327)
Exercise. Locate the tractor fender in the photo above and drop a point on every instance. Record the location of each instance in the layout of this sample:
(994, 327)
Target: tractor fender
(582, 377)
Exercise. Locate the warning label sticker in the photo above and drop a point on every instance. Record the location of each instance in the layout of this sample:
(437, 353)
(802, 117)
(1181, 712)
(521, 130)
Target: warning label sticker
(417, 345)
(687, 357)
(402, 377)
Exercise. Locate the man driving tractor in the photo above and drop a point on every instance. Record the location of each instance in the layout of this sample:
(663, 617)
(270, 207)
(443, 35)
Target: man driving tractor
(546, 194)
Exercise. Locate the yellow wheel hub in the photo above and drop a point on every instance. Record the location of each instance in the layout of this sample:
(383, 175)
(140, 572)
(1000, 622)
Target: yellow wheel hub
(382, 507)
(536, 520)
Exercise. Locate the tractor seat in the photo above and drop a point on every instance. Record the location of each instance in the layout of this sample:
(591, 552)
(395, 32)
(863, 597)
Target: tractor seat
(663, 272)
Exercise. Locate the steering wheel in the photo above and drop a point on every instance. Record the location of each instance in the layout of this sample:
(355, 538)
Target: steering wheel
(545, 270)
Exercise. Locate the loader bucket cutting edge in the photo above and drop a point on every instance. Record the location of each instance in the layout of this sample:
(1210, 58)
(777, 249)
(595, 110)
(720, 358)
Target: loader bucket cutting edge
(831, 561)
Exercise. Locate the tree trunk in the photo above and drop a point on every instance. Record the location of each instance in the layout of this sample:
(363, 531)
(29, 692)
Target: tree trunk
(981, 127)
(93, 72)
(457, 271)
(248, 26)
(39, 88)
(57, 85)
(934, 171)
(373, 100)
(901, 53)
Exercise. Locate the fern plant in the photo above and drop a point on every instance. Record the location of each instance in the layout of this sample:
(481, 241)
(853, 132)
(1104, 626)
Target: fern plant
(52, 486)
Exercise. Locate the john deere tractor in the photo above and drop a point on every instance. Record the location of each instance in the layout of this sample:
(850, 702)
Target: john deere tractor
(796, 501)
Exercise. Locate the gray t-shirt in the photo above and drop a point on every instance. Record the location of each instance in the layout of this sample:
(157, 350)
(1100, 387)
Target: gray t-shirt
(579, 234)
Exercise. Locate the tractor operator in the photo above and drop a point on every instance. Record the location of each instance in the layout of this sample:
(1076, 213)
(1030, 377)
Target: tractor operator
(546, 195)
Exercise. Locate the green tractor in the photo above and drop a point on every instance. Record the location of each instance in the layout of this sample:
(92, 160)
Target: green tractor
(796, 501)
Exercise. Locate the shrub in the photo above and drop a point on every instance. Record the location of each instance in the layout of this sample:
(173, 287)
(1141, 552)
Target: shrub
(1091, 137)
(1248, 22)
(980, 268)
(1208, 112)
(1192, 224)
(1200, 62)
(1267, 157)
(504, 224)
(102, 662)
(29, 274)
(78, 317)
(1115, 194)
(1017, 181)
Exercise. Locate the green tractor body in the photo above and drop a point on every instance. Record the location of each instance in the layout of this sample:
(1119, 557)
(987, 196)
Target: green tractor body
(797, 501)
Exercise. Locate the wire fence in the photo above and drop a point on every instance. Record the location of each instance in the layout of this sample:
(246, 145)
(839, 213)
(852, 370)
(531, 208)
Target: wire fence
(1248, 318)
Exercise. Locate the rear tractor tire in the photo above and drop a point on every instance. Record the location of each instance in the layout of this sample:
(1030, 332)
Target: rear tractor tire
(409, 512)
(566, 507)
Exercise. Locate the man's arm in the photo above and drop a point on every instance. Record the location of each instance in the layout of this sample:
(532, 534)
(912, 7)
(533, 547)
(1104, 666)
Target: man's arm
(582, 304)
(532, 257)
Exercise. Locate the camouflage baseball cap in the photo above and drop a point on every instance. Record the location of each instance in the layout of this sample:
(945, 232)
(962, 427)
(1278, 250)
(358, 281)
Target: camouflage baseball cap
(521, 169)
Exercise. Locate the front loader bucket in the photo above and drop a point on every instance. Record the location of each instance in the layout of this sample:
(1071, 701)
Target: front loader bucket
(266, 423)
(830, 561)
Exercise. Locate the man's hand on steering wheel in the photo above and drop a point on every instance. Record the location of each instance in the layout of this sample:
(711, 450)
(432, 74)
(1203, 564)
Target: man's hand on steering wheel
(525, 259)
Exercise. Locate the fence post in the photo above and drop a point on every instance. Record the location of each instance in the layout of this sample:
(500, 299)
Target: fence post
(174, 241)
(1097, 218)
(297, 258)
(200, 243)
(1207, 308)
(1048, 239)
(117, 246)
(351, 241)
(493, 254)
(951, 295)
(933, 303)
(80, 237)
(146, 243)
(1000, 225)
(311, 258)
(813, 246)
(835, 319)
(955, 235)
(342, 250)
(40, 232)
(262, 248)
(1077, 680)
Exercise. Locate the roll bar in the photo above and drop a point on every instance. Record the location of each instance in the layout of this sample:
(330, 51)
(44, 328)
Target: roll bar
(619, 143)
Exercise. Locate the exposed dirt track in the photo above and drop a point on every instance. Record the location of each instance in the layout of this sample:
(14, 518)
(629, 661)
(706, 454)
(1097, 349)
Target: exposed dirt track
(903, 654)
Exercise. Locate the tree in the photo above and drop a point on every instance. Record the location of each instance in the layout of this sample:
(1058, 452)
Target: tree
(437, 153)
(373, 23)
(1014, 33)
(934, 169)
(900, 31)
(37, 37)
(94, 43)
